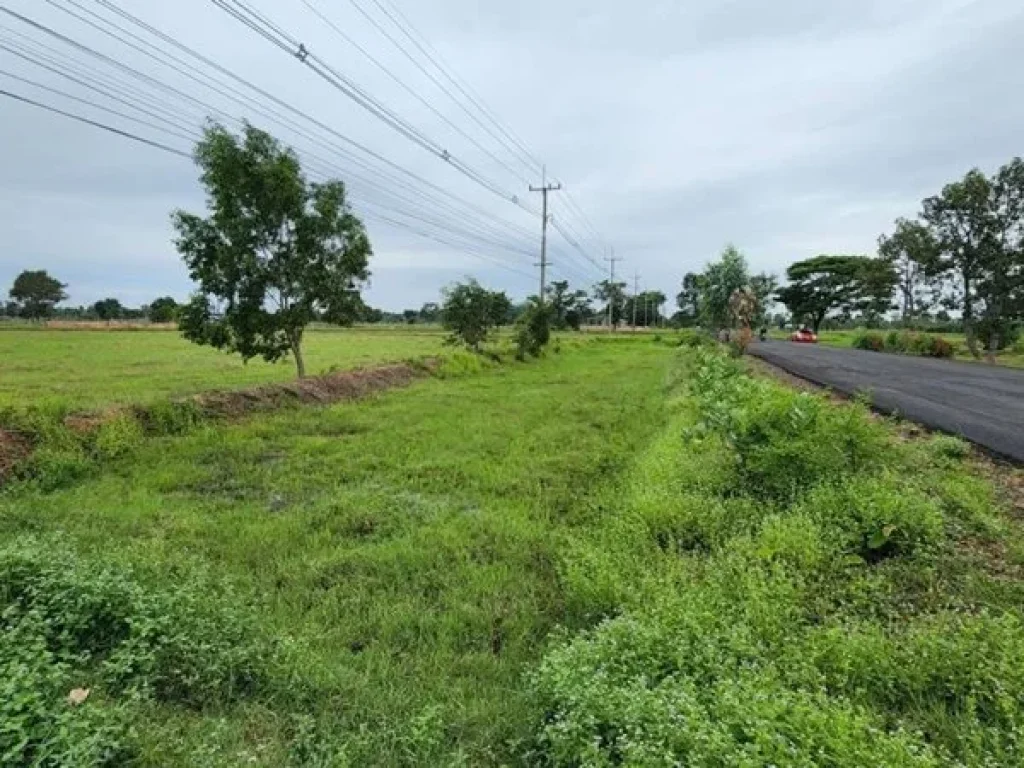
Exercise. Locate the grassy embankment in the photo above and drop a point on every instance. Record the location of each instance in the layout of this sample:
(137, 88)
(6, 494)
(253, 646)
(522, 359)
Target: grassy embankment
(620, 555)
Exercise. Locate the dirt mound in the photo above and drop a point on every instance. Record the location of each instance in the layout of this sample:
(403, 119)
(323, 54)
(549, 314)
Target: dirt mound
(330, 388)
(322, 390)
(13, 450)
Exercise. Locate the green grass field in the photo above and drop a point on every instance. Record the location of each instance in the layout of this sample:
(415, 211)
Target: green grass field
(90, 369)
(621, 554)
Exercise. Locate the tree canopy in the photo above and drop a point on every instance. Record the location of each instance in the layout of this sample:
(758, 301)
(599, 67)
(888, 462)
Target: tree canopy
(471, 312)
(108, 309)
(844, 284)
(36, 293)
(569, 309)
(688, 300)
(705, 297)
(914, 256)
(644, 309)
(275, 252)
(718, 282)
(968, 245)
(163, 310)
(613, 294)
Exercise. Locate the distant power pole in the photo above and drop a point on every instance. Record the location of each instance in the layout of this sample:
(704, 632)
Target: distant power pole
(636, 292)
(611, 283)
(544, 189)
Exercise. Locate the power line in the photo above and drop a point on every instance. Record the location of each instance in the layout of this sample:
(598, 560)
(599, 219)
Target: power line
(95, 124)
(477, 231)
(408, 89)
(407, 29)
(417, 39)
(58, 92)
(246, 101)
(274, 34)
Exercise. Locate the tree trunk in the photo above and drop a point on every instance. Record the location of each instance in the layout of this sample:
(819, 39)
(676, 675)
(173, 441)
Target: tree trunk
(972, 340)
(993, 346)
(300, 364)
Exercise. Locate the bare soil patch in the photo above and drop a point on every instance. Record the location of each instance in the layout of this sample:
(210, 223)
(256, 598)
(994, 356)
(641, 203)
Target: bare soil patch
(330, 388)
(14, 449)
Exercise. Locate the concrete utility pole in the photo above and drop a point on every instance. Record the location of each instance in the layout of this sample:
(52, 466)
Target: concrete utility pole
(636, 292)
(611, 283)
(544, 189)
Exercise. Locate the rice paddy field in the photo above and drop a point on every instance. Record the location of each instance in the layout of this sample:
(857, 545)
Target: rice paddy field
(84, 369)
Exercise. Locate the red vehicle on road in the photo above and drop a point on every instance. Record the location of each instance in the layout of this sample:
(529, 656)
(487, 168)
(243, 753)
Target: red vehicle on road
(804, 336)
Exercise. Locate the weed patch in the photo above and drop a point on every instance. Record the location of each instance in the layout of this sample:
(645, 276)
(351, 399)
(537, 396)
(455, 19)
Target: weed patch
(803, 603)
(72, 623)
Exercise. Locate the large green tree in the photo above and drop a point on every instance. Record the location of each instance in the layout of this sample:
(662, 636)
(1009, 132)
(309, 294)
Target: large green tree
(959, 219)
(36, 293)
(275, 252)
(718, 282)
(1001, 285)
(688, 300)
(569, 309)
(837, 284)
(914, 256)
(613, 295)
(969, 242)
(163, 310)
(762, 288)
(501, 309)
(108, 309)
(471, 312)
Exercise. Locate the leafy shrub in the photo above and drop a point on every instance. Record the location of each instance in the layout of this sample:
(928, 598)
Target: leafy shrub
(692, 339)
(52, 467)
(533, 331)
(116, 437)
(939, 347)
(39, 725)
(784, 442)
(176, 644)
(897, 341)
(684, 689)
(922, 344)
(1007, 333)
(875, 517)
(869, 340)
(949, 447)
(471, 312)
(170, 417)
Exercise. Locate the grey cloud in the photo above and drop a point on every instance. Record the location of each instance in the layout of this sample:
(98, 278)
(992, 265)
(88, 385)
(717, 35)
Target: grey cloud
(789, 128)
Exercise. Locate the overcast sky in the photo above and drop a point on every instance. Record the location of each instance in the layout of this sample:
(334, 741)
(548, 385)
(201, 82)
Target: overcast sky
(789, 128)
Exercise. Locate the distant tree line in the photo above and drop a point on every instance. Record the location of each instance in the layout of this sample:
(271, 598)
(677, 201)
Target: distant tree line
(35, 295)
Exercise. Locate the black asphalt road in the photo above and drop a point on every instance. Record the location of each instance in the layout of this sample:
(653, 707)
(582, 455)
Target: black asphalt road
(980, 402)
